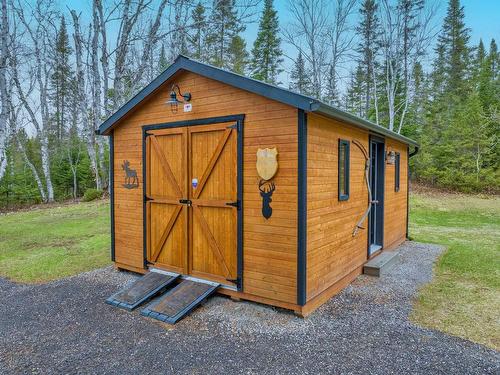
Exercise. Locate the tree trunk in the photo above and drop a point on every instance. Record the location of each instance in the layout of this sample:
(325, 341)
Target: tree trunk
(44, 148)
(4, 112)
(82, 102)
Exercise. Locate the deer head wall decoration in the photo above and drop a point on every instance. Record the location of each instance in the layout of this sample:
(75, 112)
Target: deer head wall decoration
(266, 194)
(267, 166)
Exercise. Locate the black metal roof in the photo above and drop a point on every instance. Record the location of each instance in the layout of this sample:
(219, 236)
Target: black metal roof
(279, 94)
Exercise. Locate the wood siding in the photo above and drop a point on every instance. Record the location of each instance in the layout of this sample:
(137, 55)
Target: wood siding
(395, 202)
(332, 252)
(269, 246)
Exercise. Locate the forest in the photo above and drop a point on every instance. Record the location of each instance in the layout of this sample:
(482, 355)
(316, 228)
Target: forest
(395, 62)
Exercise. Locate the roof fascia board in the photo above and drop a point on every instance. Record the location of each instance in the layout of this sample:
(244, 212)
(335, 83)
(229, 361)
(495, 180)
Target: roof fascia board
(139, 97)
(329, 111)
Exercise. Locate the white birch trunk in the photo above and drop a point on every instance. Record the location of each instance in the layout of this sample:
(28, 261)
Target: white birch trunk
(4, 112)
(82, 102)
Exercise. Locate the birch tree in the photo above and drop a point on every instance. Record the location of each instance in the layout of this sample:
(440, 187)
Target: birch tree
(405, 33)
(40, 33)
(4, 97)
(340, 42)
(308, 33)
(369, 34)
(83, 112)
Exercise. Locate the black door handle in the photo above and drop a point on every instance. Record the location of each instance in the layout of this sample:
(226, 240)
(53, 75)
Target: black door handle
(185, 201)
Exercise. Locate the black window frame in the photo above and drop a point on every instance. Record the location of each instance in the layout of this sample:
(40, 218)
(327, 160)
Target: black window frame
(397, 171)
(347, 162)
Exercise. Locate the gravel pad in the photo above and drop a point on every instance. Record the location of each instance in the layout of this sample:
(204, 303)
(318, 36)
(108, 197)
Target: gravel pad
(66, 327)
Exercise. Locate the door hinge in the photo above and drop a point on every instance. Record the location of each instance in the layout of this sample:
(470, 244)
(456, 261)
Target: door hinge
(186, 201)
(236, 281)
(234, 204)
(147, 199)
(236, 125)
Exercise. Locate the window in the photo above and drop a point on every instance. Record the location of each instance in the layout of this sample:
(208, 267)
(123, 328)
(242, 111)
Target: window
(397, 162)
(343, 170)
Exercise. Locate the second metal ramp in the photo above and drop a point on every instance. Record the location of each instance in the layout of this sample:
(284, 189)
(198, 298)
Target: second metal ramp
(179, 301)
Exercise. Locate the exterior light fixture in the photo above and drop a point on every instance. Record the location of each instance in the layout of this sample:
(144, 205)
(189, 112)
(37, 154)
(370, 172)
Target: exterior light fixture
(390, 157)
(173, 101)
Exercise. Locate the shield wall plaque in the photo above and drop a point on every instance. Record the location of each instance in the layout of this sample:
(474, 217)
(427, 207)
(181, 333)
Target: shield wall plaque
(267, 162)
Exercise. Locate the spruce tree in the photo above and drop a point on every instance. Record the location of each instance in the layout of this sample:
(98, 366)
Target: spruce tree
(225, 47)
(266, 51)
(196, 39)
(238, 55)
(369, 32)
(162, 60)
(299, 78)
(454, 39)
(355, 97)
(61, 87)
(480, 53)
(494, 60)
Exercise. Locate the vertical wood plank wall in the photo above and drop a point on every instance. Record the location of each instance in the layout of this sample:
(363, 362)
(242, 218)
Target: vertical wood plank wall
(395, 202)
(332, 252)
(270, 246)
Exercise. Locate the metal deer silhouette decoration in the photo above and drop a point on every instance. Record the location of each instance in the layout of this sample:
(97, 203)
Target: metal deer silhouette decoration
(266, 195)
(267, 166)
(131, 180)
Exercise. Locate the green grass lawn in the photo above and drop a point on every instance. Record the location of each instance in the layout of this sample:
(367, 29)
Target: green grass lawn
(50, 243)
(464, 297)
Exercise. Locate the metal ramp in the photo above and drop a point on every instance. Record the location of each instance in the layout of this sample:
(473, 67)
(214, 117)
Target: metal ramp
(180, 301)
(142, 290)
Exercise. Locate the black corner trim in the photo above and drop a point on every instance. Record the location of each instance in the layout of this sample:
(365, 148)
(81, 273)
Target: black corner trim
(302, 210)
(111, 192)
(144, 204)
(407, 190)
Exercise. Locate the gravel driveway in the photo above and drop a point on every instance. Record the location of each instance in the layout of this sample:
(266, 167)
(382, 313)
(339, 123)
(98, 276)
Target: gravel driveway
(65, 327)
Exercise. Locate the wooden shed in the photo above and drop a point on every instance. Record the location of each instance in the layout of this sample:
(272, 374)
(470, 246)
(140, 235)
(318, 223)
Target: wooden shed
(220, 177)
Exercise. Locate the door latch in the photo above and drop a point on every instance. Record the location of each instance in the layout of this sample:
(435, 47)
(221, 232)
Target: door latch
(234, 204)
(185, 201)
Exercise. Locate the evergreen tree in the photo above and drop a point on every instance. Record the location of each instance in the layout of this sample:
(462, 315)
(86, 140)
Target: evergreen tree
(266, 52)
(415, 118)
(225, 46)
(196, 38)
(453, 40)
(61, 87)
(369, 33)
(162, 60)
(355, 97)
(484, 77)
(299, 77)
(481, 53)
(494, 60)
(238, 55)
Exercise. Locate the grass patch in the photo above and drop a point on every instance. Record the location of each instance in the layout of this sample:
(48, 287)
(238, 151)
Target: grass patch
(50, 243)
(464, 297)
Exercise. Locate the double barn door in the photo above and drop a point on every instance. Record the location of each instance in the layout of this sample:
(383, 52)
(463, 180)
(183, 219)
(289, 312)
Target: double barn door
(191, 200)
